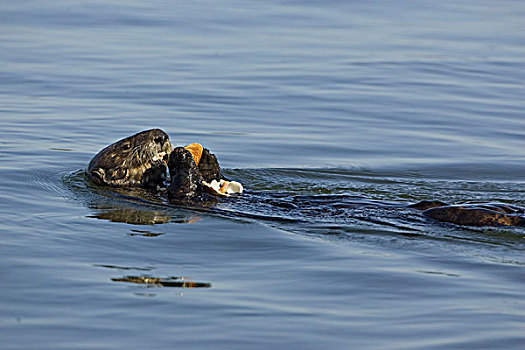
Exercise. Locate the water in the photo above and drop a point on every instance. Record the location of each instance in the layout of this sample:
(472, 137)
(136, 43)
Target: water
(333, 114)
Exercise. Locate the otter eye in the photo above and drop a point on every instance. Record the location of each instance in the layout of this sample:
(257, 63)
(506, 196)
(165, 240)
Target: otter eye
(159, 139)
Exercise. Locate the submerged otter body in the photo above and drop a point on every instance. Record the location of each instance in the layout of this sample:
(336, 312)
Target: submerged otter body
(477, 214)
(139, 161)
(136, 161)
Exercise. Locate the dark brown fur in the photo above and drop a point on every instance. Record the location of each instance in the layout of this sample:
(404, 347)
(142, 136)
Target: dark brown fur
(473, 214)
(209, 166)
(186, 180)
(186, 176)
(130, 162)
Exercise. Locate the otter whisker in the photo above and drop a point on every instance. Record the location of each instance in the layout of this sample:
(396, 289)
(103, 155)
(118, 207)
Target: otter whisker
(136, 154)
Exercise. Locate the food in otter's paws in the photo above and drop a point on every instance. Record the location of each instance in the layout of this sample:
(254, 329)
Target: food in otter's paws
(196, 151)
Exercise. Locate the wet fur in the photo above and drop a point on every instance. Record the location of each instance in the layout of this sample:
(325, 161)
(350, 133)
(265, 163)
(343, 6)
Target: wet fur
(186, 176)
(473, 214)
(186, 180)
(129, 162)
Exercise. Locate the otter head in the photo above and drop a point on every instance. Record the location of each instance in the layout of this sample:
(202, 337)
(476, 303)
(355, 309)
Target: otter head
(137, 160)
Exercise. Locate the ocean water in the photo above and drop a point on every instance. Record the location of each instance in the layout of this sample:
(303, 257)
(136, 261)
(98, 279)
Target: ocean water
(334, 115)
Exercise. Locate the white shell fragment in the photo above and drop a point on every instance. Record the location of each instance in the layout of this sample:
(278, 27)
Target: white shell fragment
(223, 187)
(159, 156)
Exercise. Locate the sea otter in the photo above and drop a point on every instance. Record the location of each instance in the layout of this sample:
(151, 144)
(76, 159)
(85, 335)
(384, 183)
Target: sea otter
(136, 161)
(140, 160)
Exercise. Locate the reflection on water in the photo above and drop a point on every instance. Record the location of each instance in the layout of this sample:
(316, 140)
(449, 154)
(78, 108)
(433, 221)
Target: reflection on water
(178, 282)
(145, 233)
(133, 216)
(137, 216)
(133, 206)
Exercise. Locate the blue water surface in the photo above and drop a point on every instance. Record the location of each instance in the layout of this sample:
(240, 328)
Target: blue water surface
(301, 101)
